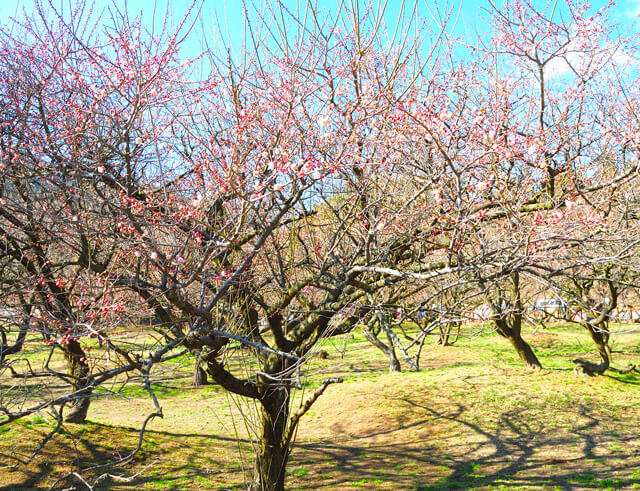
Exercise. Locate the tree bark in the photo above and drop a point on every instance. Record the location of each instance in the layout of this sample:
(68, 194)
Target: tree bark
(394, 364)
(81, 380)
(600, 336)
(512, 333)
(446, 334)
(524, 351)
(16, 347)
(510, 326)
(388, 350)
(273, 452)
(199, 375)
(598, 328)
(443, 338)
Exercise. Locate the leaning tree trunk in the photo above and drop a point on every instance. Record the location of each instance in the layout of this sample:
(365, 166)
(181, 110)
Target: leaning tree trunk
(388, 350)
(273, 452)
(512, 331)
(600, 336)
(81, 380)
(524, 351)
(394, 364)
(5, 348)
(510, 326)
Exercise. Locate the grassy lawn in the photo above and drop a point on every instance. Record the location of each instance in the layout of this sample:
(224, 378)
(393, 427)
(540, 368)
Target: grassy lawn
(473, 418)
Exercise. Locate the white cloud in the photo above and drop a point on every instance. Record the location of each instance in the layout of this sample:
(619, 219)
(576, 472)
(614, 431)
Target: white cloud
(559, 67)
(587, 52)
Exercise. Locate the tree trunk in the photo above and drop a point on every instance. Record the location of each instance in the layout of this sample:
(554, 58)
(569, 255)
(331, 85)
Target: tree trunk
(5, 349)
(512, 329)
(445, 334)
(81, 380)
(273, 452)
(199, 375)
(394, 364)
(524, 351)
(600, 336)
(388, 350)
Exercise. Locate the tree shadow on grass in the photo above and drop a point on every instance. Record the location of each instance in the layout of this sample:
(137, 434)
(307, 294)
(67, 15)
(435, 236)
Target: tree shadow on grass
(514, 452)
(632, 379)
(166, 460)
(427, 448)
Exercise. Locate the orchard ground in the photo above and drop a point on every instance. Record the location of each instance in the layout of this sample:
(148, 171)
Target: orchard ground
(472, 418)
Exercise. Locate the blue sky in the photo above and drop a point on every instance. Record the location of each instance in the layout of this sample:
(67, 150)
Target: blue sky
(468, 15)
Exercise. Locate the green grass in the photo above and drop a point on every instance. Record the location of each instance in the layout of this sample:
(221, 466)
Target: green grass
(474, 417)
